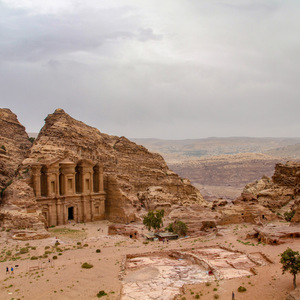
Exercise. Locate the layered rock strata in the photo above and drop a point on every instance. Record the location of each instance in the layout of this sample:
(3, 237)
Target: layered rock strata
(134, 178)
(276, 192)
(14, 145)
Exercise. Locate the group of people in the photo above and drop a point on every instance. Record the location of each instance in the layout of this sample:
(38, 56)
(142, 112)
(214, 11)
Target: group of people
(11, 270)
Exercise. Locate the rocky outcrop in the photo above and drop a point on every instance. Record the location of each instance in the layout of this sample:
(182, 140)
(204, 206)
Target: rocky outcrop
(199, 220)
(134, 178)
(19, 208)
(275, 235)
(14, 145)
(18, 205)
(121, 229)
(277, 191)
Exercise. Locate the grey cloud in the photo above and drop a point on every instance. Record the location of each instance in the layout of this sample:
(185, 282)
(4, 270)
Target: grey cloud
(35, 37)
(155, 69)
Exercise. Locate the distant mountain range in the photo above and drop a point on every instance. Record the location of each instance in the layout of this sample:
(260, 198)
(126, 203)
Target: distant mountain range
(178, 150)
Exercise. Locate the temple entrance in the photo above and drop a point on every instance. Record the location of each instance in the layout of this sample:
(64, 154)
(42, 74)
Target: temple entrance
(71, 213)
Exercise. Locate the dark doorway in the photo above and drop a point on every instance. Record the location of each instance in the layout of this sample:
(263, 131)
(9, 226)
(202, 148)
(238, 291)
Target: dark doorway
(71, 213)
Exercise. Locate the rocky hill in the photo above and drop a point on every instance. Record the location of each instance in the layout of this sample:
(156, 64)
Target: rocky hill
(134, 177)
(14, 146)
(282, 191)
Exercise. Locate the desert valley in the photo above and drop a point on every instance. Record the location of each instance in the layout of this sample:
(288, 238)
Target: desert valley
(75, 202)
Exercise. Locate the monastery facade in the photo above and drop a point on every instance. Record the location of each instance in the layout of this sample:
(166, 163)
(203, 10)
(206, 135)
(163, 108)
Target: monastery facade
(66, 191)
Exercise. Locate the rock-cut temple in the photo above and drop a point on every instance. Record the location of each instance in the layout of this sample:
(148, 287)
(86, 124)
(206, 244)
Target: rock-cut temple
(67, 191)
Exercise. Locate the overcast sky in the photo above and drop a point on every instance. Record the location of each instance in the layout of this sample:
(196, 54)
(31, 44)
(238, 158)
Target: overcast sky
(171, 69)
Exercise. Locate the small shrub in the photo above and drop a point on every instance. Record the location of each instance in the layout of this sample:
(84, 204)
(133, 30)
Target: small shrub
(101, 294)
(216, 296)
(215, 289)
(98, 251)
(54, 257)
(47, 247)
(288, 215)
(85, 245)
(78, 243)
(24, 250)
(86, 265)
(207, 283)
(242, 289)
(197, 296)
(3, 148)
(34, 258)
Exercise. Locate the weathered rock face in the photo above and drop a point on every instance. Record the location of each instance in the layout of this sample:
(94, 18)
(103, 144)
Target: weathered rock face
(276, 192)
(14, 145)
(133, 177)
(198, 219)
(19, 208)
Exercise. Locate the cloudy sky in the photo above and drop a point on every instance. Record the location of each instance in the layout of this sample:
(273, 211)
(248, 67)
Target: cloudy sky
(150, 68)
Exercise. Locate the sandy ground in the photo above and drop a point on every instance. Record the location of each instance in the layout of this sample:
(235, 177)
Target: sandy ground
(64, 278)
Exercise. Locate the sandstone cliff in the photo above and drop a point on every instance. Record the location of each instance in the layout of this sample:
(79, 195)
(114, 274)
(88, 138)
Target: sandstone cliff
(18, 205)
(134, 177)
(276, 192)
(14, 146)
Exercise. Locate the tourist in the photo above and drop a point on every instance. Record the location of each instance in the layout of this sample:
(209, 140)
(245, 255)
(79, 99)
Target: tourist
(232, 295)
(7, 270)
(11, 270)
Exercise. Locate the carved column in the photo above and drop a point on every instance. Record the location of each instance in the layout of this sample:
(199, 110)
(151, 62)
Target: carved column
(83, 188)
(48, 184)
(59, 213)
(52, 215)
(36, 178)
(92, 209)
(57, 183)
(91, 182)
(101, 185)
(83, 203)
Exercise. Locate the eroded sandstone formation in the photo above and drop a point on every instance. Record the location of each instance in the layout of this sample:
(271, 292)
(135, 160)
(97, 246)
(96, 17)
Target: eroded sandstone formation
(134, 178)
(14, 145)
(276, 192)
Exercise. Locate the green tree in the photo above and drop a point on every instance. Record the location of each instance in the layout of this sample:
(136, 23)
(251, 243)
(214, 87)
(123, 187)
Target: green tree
(154, 219)
(178, 227)
(290, 262)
